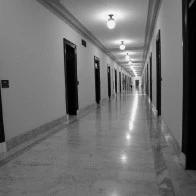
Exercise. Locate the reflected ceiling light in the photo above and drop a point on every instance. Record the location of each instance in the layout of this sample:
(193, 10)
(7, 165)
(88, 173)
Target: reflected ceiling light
(127, 57)
(128, 136)
(122, 46)
(124, 158)
(111, 22)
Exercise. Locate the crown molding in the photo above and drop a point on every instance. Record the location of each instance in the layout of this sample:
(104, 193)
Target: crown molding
(61, 12)
(153, 12)
(132, 62)
(134, 48)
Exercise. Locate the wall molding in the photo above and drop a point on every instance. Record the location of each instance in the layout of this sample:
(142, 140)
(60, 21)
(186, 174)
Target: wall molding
(25, 141)
(137, 48)
(153, 12)
(61, 12)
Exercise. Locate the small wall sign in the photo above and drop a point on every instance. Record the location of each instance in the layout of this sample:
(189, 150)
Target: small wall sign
(5, 83)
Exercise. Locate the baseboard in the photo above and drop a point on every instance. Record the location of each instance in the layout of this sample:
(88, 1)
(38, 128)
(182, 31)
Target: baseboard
(29, 135)
(154, 109)
(104, 100)
(15, 141)
(87, 108)
(3, 147)
(183, 160)
(168, 134)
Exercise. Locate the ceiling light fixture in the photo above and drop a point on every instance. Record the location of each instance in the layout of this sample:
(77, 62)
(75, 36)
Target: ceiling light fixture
(127, 57)
(130, 62)
(122, 46)
(111, 22)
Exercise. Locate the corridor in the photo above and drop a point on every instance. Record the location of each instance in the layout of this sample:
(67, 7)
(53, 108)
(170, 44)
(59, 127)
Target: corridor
(114, 150)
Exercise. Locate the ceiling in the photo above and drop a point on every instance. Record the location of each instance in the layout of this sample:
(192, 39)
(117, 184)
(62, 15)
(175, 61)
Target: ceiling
(131, 22)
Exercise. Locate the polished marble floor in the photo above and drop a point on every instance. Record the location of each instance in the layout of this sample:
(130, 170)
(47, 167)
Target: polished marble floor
(113, 150)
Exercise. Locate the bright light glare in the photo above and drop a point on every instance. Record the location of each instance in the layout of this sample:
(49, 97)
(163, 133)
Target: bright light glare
(111, 23)
(122, 46)
(124, 158)
(131, 126)
(128, 136)
(134, 111)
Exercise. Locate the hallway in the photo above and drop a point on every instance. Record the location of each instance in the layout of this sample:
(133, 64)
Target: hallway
(115, 150)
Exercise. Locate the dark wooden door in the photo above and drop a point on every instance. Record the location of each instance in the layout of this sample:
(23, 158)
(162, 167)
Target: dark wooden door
(2, 135)
(109, 82)
(137, 83)
(97, 80)
(71, 82)
(151, 77)
(189, 81)
(116, 81)
(159, 79)
(147, 81)
(120, 81)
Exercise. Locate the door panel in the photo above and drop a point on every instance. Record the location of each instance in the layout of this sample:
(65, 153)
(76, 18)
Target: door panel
(159, 79)
(151, 77)
(109, 82)
(71, 81)
(97, 80)
(2, 135)
(189, 81)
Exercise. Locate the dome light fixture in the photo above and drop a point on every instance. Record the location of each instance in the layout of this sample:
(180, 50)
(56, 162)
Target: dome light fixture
(111, 22)
(122, 46)
(130, 62)
(127, 57)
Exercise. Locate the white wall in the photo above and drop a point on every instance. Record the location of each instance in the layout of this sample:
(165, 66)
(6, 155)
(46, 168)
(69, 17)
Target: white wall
(31, 58)
(170, 23)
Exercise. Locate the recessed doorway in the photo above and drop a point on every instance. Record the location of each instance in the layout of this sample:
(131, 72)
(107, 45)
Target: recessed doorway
(189, 80)
(151, 76)
(109, 81)
(2, 134)
(115, 81)
(120, 81)
(71, 81)
(159, 78)
(137, 83)
(97, 80)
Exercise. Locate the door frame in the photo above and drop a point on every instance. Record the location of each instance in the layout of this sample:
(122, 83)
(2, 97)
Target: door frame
(116, 82)
(120, 81)
(188, 133)
(97, 96)
(147, 78)
(158, 71)
(65, 43)
(109, 80)
(151, 76)
(2, 131)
